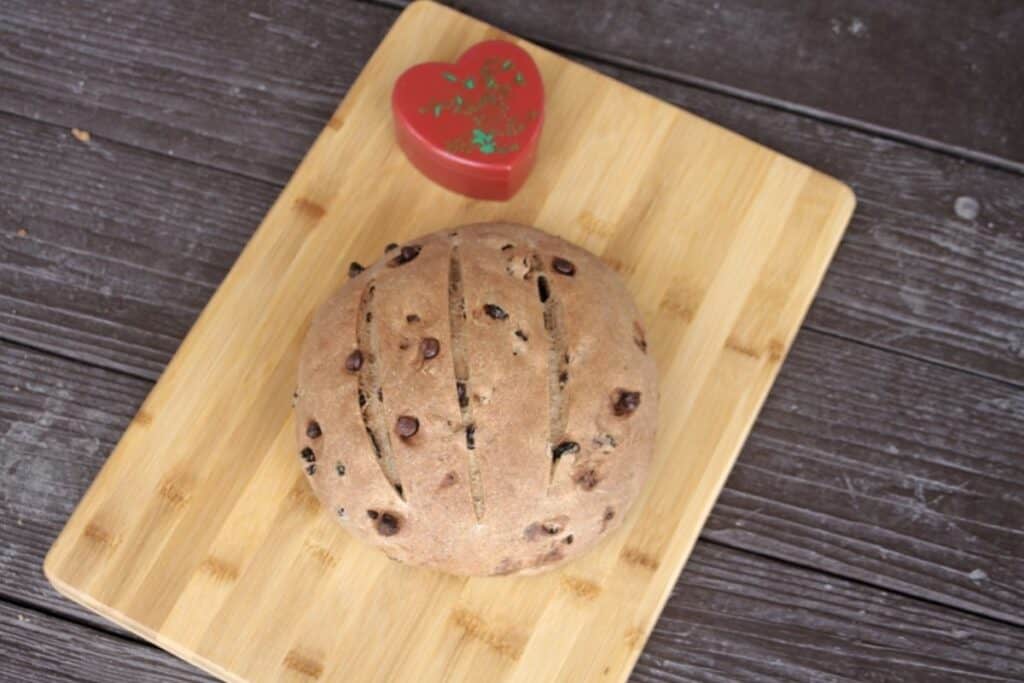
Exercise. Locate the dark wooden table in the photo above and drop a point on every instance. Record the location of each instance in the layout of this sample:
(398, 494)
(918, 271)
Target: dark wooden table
(872, 528)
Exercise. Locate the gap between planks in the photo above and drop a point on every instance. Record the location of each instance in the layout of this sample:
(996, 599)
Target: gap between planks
(88, 362)
(860, 582)
(40, 608)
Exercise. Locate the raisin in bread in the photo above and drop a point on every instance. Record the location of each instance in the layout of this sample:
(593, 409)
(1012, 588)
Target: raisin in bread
(480, 401)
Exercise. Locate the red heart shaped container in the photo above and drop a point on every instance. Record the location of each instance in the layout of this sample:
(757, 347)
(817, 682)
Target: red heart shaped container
(472, 126)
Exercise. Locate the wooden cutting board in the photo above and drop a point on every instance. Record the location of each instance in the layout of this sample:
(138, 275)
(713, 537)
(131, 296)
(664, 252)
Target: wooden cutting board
(201, 534)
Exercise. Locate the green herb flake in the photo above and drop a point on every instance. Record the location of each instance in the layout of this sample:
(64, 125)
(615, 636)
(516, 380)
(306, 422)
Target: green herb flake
(448, 76)
(506, 65)
(470, 84)
(484, 141)
(437, 110)
(519, 78)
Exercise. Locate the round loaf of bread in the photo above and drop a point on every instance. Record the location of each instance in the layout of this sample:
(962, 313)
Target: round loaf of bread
(480, 401)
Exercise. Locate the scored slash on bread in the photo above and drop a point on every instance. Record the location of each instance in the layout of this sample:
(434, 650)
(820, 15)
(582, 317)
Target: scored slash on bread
(480, 400)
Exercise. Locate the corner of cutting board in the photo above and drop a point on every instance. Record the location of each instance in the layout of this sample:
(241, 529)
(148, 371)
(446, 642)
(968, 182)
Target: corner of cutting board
(50, 564)
(50, 571)
(846, 197)
(129, 624)
(63, 587)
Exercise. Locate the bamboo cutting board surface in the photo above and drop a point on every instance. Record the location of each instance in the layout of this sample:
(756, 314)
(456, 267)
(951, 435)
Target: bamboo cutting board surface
(200, 532)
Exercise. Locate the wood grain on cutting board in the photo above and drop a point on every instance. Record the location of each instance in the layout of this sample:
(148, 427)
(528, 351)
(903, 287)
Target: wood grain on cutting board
(200, 532)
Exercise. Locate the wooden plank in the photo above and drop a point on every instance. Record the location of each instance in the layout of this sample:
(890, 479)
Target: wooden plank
(108, 253)
(37, 647)
(201, 505)
(58, 422)
(61, 419)
(915, 274)
(244, 86)
(895, 472)
(722, 625)
(876, 66)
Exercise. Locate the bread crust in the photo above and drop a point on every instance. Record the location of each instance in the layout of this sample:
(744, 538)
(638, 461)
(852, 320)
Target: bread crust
(551, 355)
